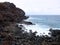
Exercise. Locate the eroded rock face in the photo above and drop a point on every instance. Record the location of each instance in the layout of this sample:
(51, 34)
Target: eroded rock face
(9, 16)
(9, 13)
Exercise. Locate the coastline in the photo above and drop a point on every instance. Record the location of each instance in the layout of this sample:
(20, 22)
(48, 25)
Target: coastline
(29, 25)
(14, 30)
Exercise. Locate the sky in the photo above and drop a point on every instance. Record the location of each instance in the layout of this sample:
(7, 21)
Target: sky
(38, 7)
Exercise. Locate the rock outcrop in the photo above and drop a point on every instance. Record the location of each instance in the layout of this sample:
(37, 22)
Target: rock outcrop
(9, 16)
(9, 13)
(13, 34)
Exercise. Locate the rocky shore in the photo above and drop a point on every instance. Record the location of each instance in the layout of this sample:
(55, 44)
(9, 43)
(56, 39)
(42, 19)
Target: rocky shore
(12, 34)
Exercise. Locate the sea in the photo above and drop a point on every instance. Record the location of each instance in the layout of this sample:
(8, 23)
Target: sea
(43, 23)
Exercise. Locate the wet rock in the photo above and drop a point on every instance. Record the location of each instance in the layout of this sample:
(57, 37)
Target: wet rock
(27, 23)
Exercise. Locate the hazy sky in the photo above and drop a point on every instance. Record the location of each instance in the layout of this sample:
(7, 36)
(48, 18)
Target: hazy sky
(33, 7)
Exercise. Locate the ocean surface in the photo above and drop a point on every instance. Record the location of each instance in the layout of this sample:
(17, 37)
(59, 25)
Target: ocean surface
(43, 23)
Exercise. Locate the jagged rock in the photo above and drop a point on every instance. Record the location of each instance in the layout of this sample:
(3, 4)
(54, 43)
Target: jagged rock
(10, 32)
(9, 13)
(27, 23)
(9, 16)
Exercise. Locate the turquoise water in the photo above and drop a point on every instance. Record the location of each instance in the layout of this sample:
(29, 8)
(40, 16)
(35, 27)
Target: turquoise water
(52, 21)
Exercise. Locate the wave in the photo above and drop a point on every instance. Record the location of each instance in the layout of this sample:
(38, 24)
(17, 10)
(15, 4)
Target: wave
(39, 29)
(43, 24)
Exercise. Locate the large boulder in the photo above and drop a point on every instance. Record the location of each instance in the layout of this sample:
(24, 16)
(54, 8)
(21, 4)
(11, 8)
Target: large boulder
(9, 16)
(9, 13)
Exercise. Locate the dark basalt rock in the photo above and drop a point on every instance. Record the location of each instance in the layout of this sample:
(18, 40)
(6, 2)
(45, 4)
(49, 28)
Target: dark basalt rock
(13, 34)
(26, 22)
(9, 13)
(9, 16)
(29, 23)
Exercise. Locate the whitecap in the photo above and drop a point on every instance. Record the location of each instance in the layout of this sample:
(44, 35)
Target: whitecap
(38, 28)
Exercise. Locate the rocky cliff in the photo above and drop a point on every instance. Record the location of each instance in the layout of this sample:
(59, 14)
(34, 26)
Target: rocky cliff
(9, 16)
(9, 13)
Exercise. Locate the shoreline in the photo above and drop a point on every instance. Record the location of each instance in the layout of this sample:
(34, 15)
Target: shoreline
(38, 28)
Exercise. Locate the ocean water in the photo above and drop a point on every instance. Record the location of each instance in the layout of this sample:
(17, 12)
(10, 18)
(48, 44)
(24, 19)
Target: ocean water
(43, 23)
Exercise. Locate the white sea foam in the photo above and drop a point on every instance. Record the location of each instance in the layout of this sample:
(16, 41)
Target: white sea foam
(42, 24)
(39, 29)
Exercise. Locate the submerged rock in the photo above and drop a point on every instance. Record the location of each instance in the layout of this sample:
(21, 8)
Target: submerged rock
(27, 23)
